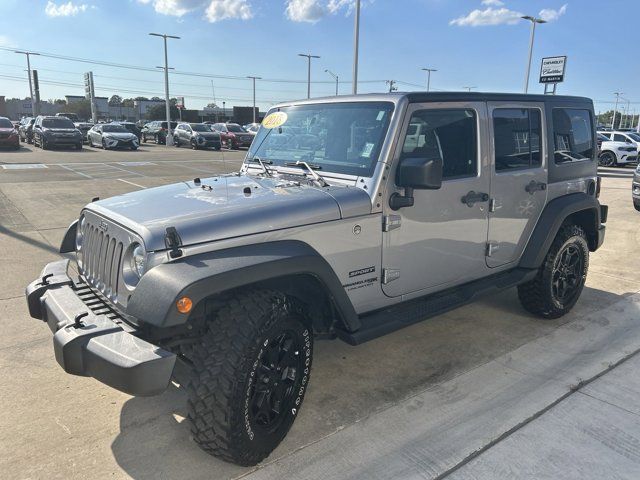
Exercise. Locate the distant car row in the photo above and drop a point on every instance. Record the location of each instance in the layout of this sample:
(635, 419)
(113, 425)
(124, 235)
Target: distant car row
(60, 130)
(618, 148)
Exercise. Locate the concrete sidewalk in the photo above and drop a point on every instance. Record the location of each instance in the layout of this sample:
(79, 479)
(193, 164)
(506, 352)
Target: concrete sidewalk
(495, 421)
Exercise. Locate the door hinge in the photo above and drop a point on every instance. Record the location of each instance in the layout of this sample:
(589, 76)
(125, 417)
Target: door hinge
(389, 275)
(490, 248)
(391, 222)
(492, 205)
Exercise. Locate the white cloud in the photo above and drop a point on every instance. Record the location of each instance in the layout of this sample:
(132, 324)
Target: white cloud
(224, 9)
(551, 15)
(488, 16)
(313, 10)
(6, 41)
(176, 8)
(68, 9)
(492, 3)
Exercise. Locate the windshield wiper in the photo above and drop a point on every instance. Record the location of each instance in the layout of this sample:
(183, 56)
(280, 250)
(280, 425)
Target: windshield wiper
(311, 169)
(262, 164)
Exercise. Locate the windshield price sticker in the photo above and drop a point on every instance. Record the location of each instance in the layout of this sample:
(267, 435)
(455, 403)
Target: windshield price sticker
(274, 120)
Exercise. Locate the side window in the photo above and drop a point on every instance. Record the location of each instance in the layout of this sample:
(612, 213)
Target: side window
(573, 135)
(450, 135)
(516, 133)
(607, 135)
(619, 138)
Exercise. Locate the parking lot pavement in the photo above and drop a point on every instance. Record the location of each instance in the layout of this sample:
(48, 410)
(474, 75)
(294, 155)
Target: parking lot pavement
(417, 403)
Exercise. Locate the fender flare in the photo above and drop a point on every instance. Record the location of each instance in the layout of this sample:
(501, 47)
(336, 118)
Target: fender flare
(69, 240)
(550, 221)
(199, 276)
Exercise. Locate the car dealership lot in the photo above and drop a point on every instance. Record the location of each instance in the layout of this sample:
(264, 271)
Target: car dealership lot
(485, 390)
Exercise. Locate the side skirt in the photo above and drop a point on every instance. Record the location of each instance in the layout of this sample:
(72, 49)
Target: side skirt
(381, 322)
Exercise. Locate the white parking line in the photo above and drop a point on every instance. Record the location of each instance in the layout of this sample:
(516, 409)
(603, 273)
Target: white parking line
(130, 183)
(74, 171)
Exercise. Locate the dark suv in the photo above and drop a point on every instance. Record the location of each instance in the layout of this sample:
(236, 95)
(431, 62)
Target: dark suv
(56, 131)
(197, 135)
(156, 131)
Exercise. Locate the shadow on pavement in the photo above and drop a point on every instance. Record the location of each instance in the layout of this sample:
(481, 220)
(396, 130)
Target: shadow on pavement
(42, 245)
(349, 383)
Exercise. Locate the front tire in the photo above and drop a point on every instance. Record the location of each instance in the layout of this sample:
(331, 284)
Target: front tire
(607, 159)
(251, 370)
(560, 280)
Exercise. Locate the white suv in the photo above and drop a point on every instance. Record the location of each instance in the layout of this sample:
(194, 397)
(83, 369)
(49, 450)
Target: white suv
(618, 151)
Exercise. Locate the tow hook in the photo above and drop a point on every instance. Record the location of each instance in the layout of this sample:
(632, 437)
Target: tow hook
(77, 321)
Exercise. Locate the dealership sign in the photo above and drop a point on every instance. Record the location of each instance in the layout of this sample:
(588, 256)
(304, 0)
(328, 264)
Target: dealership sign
(552, 70)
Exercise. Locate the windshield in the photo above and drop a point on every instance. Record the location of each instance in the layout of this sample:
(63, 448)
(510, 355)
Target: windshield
(114, 128)
(61, 122)
(235, 128)
(634, 136)
(200, 127)
(5, 123)
(337, 137)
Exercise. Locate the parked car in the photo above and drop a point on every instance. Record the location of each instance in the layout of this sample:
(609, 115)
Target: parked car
(84, 128)
(9, 136)
(71, 116)
(197, 135)
(26, 129)
(233, 135)
(635, 188)
(631, 138)
(156, 131)
(133, 128)
(616, 153)
(111, 135)
(55, 131)
(225, 283)
(252, 127)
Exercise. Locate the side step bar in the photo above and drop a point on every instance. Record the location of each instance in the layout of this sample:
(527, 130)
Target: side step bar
(382, 322)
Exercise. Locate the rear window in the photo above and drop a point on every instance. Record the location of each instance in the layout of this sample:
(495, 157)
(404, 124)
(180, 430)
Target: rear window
(173, 125)
(573, 135)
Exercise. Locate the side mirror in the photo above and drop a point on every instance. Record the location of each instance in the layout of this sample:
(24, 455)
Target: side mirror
(412, 173)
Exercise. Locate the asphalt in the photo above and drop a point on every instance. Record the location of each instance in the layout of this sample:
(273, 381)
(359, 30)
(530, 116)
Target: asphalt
(485, 391)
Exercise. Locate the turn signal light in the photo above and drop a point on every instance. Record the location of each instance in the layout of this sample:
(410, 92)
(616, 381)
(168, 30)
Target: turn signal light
(184, 305)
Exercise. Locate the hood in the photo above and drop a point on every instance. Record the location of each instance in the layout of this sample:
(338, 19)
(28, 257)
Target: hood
(59, 130)
(119, 135)
(229, 206)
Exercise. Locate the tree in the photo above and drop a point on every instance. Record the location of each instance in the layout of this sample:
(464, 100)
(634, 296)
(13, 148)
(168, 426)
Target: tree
(115, 101)
(59, 101)
(128, 102)
(82, 108)
(157, 112)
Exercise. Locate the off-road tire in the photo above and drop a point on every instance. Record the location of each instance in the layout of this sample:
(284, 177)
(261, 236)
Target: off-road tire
(227, 366)
(537, 296)
(636, 205)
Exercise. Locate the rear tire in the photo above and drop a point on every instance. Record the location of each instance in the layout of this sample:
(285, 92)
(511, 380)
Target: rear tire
(636, 204)
(607, 159)
(251, 370)
(560, 280)
(194, 146)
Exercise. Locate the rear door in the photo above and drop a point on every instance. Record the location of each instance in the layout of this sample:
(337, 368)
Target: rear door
(518, 178)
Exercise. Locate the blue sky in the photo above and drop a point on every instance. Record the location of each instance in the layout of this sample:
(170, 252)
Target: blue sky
(481, 43)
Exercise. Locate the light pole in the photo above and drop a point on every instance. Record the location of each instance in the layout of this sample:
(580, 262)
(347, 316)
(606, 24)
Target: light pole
(308, 57)
(254, 95)
(469, 88)
(335, 77)
(615, 109)
(169, 140)
(533, 21)
(356, 41)
(429, 70)
(33, 103)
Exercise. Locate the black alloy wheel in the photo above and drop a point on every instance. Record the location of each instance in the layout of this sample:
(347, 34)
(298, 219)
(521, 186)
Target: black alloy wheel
(567, 275)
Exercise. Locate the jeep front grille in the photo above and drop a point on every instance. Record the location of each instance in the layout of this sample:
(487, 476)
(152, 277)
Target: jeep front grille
(100, 261)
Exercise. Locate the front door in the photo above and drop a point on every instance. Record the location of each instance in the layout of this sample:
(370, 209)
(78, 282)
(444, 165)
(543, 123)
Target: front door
(519, 178)
(440, 241)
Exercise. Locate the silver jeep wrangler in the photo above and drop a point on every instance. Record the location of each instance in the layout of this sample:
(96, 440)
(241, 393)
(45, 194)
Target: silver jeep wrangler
(351, 217)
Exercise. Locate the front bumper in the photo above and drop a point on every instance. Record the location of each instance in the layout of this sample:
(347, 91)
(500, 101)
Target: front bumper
(9, 141)
(90, 339)
(54, 140)
(115, 143)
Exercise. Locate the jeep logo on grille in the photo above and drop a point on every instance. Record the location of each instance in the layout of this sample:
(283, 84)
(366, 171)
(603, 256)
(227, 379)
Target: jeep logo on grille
(103, 226)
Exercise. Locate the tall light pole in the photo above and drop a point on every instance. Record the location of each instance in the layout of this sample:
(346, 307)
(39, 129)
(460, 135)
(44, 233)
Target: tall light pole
(33, 102)
(308, 57)
(429, 70)
(534, 21)
(169, 140)
(469, 88)
(356, 41)
(254, 95)
(615, 109)
(335, 77)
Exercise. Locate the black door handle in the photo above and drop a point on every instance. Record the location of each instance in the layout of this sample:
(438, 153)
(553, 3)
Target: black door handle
(534, 186)
(471, 198)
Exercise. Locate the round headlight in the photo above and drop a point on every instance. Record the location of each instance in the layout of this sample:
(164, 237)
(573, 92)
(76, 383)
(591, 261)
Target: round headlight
(138, 260)
(80, 233)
